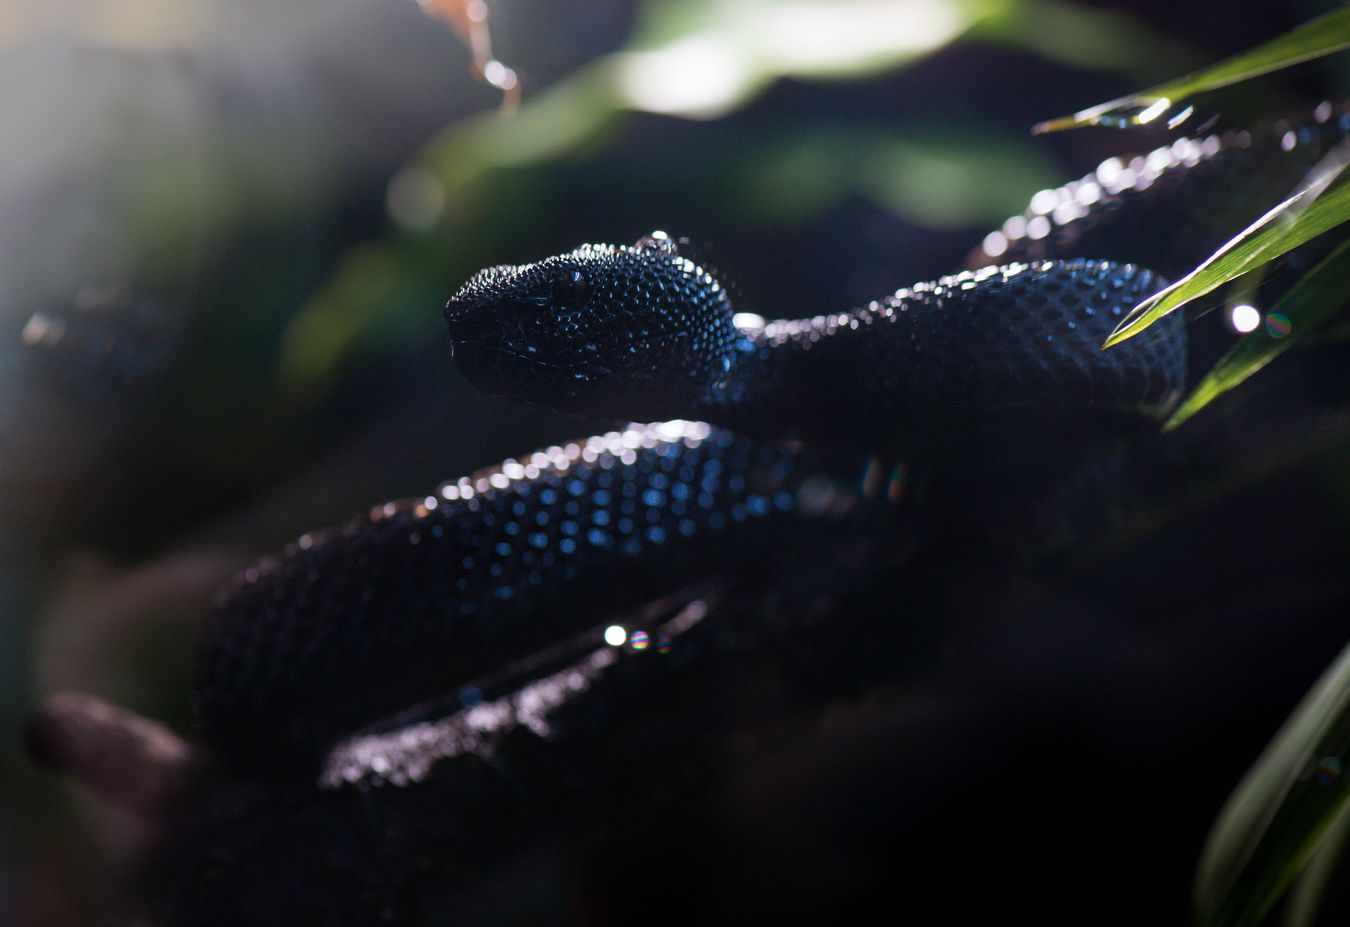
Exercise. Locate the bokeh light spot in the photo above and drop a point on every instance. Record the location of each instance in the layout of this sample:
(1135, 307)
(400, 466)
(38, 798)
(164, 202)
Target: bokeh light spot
(1278, 325)
(1244, 318)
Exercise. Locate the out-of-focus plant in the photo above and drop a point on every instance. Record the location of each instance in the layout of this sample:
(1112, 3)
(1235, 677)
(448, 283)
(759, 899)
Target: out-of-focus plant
(1278, 819)
(469, 19)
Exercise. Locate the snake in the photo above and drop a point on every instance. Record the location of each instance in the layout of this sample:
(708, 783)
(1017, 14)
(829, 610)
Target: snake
(759, 428)
(408, 699)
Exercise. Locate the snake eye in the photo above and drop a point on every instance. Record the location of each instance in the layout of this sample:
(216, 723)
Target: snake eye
(570, 289)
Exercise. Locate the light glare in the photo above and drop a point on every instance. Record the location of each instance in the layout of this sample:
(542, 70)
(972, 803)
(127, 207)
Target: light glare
(809, 36)
(1245, 318)
(1155, 109)
(995, 243)
(699, 76)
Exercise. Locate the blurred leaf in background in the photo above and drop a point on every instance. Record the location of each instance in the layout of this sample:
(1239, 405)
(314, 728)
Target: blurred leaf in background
(1279, 814)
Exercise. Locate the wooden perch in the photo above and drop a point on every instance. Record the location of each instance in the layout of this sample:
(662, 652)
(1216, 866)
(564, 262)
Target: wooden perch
(137, 764)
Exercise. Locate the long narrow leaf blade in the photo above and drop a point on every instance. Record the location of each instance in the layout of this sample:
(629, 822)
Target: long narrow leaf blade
(1321, 292)
(1281, 809)
(1324, 867)
(1302, 218)
(1322, 36)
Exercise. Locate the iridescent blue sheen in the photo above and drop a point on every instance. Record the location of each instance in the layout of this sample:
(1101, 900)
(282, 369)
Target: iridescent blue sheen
(424, 596)
(984, 341)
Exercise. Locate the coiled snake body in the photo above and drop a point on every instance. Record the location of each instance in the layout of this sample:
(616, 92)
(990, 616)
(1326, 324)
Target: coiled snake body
(429, 596)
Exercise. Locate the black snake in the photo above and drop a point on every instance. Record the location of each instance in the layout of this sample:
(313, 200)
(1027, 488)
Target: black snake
(459, 639)
(495, 566)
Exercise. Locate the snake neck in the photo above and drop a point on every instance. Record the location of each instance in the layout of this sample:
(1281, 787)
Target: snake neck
(939, 355)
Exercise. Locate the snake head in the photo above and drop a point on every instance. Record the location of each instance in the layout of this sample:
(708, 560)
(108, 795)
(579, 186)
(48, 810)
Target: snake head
(619, 331)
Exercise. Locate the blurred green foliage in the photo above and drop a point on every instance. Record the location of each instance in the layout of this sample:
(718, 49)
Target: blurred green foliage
(1281, 810)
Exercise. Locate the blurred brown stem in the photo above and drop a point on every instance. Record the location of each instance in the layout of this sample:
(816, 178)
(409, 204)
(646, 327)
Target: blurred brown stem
(132, 762)
(469, 19)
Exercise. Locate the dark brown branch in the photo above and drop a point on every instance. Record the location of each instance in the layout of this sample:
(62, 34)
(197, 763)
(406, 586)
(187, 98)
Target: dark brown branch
(132, 762)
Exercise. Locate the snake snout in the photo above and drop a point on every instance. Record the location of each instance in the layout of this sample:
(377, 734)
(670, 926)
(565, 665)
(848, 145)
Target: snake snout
(473, 316)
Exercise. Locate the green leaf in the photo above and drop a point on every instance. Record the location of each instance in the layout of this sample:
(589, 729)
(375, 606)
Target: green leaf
(1316, 209)
(702, 59)
(1307, 894)
(1281, 810)
(1317, 295)
(1318, 37)
(1086, 37)
(939, 176)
